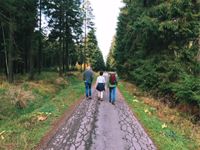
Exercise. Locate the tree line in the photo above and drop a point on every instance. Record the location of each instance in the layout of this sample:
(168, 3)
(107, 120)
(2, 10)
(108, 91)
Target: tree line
(68, 39)
(157, 47)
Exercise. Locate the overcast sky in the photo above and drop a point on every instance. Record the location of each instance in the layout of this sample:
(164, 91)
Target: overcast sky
(106, 13)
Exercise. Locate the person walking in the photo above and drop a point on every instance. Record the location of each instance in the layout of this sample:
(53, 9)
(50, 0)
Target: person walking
(100, 85)
(112, 84)
(88, 76)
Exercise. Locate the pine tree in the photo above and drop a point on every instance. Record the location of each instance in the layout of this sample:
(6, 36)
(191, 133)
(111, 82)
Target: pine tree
(93, 54)
(157, 46)
(88, 25)
(66, 20)
(22, 36)
(110, 61)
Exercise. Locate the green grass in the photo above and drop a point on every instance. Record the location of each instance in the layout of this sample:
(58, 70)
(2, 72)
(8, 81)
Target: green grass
(169, 138)
(20, 128)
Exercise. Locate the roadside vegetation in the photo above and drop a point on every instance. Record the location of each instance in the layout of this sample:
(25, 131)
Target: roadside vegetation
(156, 47)
(169, 128)
(29, 108)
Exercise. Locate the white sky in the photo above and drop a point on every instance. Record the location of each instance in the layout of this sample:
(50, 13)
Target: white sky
(106, 13)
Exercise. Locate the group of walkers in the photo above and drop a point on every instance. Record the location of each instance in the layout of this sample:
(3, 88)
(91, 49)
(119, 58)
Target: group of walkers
(103, 81)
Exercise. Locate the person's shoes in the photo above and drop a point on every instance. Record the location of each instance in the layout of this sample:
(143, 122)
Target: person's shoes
(101, 99)
(98, 98)
(109, 100)
(113, 103)
(90, 97)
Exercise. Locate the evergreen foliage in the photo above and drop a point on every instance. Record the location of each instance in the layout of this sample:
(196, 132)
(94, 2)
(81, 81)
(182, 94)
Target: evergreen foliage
(27, 46)
(110, 63)
(157, 47)
(93, 54)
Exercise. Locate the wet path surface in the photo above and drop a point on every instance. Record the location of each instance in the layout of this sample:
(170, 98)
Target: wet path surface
(99, 125)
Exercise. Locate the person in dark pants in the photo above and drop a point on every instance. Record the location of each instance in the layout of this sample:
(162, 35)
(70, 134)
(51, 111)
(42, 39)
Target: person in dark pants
(88, 78)
(112, 84)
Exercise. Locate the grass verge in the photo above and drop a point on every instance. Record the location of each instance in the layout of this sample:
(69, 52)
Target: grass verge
(168, 128)
(45, 100)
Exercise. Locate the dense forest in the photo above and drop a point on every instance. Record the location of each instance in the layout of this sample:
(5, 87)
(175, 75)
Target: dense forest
(157, 47)
(29, 46)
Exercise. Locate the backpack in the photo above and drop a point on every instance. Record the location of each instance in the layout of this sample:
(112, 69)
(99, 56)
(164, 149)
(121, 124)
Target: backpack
(113, 79)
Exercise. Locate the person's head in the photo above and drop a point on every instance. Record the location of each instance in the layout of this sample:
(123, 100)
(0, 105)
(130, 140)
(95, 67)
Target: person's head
(112, 72)
(88, 68)
(101, 73)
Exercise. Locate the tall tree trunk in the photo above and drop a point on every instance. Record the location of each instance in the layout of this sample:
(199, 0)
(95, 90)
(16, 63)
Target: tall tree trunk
(144, 3)
(60, 43)
(198, 55)
(67, 45)
(10, 53)
(60, 57)
(63, 56)
(31, 64)
(84, 53)
(67, 56)
(5, 50)
(40, 40)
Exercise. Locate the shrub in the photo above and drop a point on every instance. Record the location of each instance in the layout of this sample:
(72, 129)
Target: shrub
(187, 89)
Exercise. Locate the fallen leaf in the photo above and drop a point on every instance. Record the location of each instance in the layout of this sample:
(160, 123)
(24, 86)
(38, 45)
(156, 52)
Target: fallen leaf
(2, 132)
(135, 100)
(42, 118)
(164, 126)
(47, 113)
(2, 137)
(146, 110)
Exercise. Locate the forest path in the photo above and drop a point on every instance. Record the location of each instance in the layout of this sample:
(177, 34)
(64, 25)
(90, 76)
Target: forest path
(99, 125)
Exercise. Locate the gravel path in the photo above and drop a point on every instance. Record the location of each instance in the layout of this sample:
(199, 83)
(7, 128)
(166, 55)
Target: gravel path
(99, 125)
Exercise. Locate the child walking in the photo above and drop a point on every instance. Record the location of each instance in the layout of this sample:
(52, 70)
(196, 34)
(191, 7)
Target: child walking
(100, 85)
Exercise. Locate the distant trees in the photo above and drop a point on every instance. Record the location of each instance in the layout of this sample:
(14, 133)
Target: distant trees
(157, 46)
(93, 53)
(25, 47)
(110, 61)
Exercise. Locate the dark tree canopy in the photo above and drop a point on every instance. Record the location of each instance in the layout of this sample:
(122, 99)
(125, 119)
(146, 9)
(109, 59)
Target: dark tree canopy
(157, 47)
(27, 46)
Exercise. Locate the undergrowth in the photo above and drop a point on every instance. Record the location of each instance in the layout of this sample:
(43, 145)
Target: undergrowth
(48, 97)
(168, 128)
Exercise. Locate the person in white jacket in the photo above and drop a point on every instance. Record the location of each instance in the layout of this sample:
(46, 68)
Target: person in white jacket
(100, 85)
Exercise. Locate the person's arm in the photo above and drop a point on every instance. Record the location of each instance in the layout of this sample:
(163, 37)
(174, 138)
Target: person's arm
(108, 81)
(96, 82)
(92, 76)
(117, 79)
(83, 76)
(104, 82)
